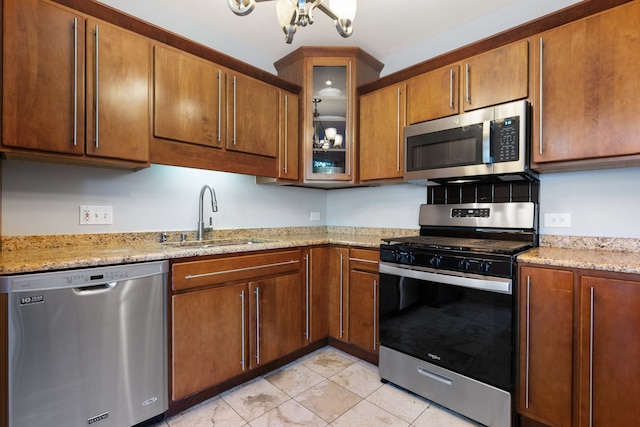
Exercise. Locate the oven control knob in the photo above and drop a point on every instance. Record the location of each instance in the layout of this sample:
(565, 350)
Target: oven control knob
(484, 266)
(435, 261)
(464, 264)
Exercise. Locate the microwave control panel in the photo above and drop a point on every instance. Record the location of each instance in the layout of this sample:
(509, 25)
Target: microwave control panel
(505, 141)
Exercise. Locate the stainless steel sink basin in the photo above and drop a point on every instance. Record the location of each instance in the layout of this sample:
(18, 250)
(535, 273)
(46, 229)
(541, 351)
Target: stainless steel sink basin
(215, 242)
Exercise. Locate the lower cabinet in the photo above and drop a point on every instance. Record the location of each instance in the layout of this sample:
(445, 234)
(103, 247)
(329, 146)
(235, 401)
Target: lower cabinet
(232, 314)
(579, 347)
(353, 306)
(316, 294)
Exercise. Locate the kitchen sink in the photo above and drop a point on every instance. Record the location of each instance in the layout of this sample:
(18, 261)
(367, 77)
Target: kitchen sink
(212, 243)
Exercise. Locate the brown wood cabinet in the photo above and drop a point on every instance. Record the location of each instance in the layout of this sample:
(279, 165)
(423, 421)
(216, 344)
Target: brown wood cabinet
(545, 311)
(585, 109)
(433, 95)
(52, 84)
(232, 314)
(188, 102)
(498, 76)
(363, 299)
(288, 140)
(578, 350)
(353, 298)
(609, 350)
(381, 145)
(252, 116)
(316, 294)
(323, 107)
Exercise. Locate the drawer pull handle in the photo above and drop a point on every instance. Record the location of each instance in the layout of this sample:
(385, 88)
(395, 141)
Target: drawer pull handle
(434, 376)
(236, 270)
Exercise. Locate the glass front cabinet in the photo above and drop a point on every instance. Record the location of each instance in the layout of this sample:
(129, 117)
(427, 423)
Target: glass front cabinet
(328, 109)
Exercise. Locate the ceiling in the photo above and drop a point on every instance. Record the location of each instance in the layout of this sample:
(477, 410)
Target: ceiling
(400, 31)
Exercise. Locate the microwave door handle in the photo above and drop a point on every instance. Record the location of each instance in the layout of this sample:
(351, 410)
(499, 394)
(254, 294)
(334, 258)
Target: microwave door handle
(486, 142)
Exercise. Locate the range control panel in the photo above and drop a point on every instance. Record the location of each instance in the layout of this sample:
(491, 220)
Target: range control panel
(471, 213)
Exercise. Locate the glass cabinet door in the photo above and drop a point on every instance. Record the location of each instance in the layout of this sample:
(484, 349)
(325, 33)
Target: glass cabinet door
(331, 137)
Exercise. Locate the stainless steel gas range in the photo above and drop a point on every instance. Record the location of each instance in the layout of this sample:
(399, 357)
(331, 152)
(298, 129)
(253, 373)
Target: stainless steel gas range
(447, 301)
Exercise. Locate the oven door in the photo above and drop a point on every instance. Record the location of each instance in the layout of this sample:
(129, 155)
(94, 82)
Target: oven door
(463, 324)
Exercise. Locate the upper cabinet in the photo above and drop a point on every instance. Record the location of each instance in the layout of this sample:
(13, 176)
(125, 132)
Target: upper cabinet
(62, 70)
(252, 116)
(188, 98)
(328, 109)
(495, 77)
(381, 145)
(585, 108)
(288, 137)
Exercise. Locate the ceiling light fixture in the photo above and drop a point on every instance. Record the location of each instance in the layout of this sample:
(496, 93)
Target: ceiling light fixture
(298, 13)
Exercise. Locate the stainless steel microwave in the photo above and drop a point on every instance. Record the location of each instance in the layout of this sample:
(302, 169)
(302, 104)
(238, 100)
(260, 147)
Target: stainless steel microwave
(492, 141)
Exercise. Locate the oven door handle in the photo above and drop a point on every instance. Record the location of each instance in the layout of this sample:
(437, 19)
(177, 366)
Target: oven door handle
(486, 283)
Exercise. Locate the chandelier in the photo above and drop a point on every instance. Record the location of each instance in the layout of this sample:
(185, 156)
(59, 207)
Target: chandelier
(298, 13)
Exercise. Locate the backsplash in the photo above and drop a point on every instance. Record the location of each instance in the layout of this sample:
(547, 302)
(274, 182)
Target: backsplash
(484, 192)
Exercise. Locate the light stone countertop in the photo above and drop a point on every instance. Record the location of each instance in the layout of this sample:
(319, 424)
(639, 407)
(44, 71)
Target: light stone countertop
(33, 257)
(590, 259)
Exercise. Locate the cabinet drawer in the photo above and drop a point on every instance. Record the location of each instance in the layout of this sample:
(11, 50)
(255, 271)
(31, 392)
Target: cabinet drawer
(364, 259)
(186, 275)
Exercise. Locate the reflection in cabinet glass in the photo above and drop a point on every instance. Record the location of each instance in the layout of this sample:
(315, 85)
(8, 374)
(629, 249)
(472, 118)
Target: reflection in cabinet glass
(330, 137)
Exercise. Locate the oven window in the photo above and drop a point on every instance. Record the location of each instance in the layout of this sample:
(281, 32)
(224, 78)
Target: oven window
(461, 329)
(447, 148)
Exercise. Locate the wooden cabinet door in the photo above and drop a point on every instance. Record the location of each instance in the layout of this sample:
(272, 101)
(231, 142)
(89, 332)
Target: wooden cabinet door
(207, 328)
(433, 95)
(586, 88)
(188, 98)
(275, 318)
(339, 293)
(363, 310)
(496, 77)
(288, 143)
(609, 350)
(43, 77)
(382, 122)
(118, 73)
(252, 111)
(546, 345)
(316, 294)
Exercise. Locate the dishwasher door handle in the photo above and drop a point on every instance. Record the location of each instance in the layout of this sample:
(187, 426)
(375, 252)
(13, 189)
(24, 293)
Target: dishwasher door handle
(93, 289)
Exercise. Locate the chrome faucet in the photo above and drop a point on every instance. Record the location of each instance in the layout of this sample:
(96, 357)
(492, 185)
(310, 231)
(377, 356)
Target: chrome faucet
(214, 208)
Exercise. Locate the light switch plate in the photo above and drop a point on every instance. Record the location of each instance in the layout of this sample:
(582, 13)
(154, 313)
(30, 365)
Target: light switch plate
(96, 215)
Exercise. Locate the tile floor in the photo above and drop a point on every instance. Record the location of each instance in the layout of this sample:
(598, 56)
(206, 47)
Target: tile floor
(325, 388)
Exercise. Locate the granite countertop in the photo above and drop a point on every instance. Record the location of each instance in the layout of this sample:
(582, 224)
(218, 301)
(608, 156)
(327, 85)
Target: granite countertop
(45, 256)
(621, 255)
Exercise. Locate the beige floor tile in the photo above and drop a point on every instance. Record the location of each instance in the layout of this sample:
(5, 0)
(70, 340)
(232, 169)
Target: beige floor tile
(294, 378)
(214, 412)
(328, 400)
(327, 362)
(289, 414)
(255, 399)
(437, 416)
(358, 379)
(400, 403)
(369, 415)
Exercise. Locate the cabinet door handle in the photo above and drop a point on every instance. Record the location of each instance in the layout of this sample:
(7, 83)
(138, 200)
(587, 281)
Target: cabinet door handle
(97, 89)
(257, 292)
(375, 317)
(307, 266)
(528, 343)
(349, 108)
(242, 331)
(234, 110)
(75, 81)
(591, 336)
(286, 133)
(540, 95)
(398, 127)
(451, 88)
(341, 302)
(467, 91)
(219, 104)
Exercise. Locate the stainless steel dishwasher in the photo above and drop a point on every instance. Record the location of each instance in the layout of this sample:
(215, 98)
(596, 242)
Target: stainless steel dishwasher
(88, 346)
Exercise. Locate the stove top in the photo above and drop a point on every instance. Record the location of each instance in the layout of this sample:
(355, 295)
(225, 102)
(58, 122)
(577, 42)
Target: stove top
(461, 244)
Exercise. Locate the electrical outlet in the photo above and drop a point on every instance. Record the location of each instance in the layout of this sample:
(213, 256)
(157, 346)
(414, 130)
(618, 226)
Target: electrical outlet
(94, 215)
(315, 216)
(557, 220)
